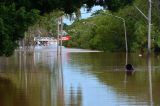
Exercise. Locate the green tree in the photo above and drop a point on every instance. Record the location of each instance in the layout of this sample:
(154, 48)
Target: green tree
(17, 15)
(45, 26)
(109, 33)
(13, 24)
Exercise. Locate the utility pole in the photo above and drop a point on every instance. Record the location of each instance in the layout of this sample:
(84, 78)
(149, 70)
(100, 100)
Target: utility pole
(125, 33)
(149, 51)
(61, 29)
(58, 36)
(149, 48)
(149, 25)
(149, 28)
(124, 24)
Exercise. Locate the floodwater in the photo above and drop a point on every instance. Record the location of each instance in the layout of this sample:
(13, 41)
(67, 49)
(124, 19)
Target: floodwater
(78, 78)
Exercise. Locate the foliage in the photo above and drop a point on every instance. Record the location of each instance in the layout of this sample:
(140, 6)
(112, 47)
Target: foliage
(17, 15)
(99, 34)
(45, 26)
(13, 24)
(107, 33)
(68, 6)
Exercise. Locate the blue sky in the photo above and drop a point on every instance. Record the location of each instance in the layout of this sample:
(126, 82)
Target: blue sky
(84, 14)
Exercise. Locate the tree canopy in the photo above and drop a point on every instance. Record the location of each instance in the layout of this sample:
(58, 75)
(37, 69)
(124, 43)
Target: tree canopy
(13, 24)
(17, 15)
(68, 6)
(106, 32)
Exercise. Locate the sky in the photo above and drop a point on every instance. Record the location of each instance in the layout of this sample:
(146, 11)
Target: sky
(84, 14)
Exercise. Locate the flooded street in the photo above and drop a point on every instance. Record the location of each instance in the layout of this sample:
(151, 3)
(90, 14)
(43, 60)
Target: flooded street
(79, 78)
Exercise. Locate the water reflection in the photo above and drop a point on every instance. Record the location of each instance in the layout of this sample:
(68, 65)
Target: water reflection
(10, 94)
(59, 75)
(77, 79)
(37, 75)
(136, 85)
(150, 79)
(75, 96)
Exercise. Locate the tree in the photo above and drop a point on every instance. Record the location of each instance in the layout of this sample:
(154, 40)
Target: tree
(45, 26)
(17, 15)
(109, 33)
(13, 24)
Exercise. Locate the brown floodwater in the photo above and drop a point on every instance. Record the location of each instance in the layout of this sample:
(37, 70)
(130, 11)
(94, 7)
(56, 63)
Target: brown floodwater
(78, 78)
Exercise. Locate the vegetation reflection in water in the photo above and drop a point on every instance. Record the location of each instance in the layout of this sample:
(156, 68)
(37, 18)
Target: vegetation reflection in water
(83, 79)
